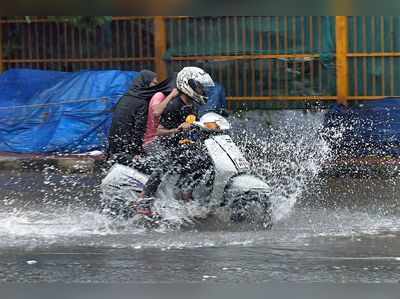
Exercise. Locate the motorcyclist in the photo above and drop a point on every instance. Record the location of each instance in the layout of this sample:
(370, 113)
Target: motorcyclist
(192, 83)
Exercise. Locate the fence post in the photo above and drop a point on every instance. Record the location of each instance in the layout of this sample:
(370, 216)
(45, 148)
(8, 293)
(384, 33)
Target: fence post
(160, 45)
(342, 69)
(1, 47)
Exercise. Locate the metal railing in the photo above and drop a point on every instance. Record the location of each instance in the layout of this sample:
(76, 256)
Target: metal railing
(256, 58)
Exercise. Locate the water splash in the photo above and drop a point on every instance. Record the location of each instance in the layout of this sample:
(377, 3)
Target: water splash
(54, 206)
(287, 149)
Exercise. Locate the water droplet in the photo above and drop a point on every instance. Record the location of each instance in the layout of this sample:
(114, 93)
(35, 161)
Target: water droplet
(209, 277)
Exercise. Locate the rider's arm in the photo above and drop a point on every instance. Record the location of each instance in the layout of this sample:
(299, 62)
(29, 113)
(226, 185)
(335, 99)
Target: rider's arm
(168, 122)
(159, 108)
(161, 131)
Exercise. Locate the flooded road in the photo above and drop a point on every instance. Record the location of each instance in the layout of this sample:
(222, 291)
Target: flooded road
(326, 229)
(345, 232)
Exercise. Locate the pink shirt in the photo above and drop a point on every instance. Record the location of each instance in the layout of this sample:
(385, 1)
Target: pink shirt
(152, 120)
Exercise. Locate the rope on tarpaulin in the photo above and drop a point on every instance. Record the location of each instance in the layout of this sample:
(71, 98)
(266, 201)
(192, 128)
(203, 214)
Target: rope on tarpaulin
(60, 103)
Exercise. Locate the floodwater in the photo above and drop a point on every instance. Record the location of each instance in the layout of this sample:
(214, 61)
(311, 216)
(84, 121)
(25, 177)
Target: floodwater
(326, 230)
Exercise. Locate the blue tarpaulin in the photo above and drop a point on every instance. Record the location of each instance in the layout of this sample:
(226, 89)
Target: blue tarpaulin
(216, 100)
(58, 112)
(371, 128)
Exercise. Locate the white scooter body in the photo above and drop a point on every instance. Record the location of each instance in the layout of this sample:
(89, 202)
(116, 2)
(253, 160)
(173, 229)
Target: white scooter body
(230, 166)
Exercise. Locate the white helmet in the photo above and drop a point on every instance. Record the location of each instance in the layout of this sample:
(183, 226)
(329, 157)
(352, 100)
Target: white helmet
(193, 81)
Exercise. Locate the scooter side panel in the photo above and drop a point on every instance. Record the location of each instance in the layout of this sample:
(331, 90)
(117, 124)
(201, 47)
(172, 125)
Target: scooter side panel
(233, 152)
(225, 169)
(120, 188)
(120, 176)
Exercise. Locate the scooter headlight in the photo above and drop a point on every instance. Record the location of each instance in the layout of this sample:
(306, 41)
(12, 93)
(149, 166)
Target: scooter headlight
(212, 126)
(214, 121)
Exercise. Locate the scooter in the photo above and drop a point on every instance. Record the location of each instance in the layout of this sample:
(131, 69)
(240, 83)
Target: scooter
(232, 189)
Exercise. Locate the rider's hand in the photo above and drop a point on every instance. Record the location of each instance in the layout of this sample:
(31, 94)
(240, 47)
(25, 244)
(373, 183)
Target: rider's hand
(184, 126)
(174, 93)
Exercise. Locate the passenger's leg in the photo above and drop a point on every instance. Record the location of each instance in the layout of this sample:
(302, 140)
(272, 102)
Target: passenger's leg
(193, 170)
(161, 162)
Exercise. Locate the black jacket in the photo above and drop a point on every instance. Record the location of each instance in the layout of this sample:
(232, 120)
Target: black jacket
(130, 118)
